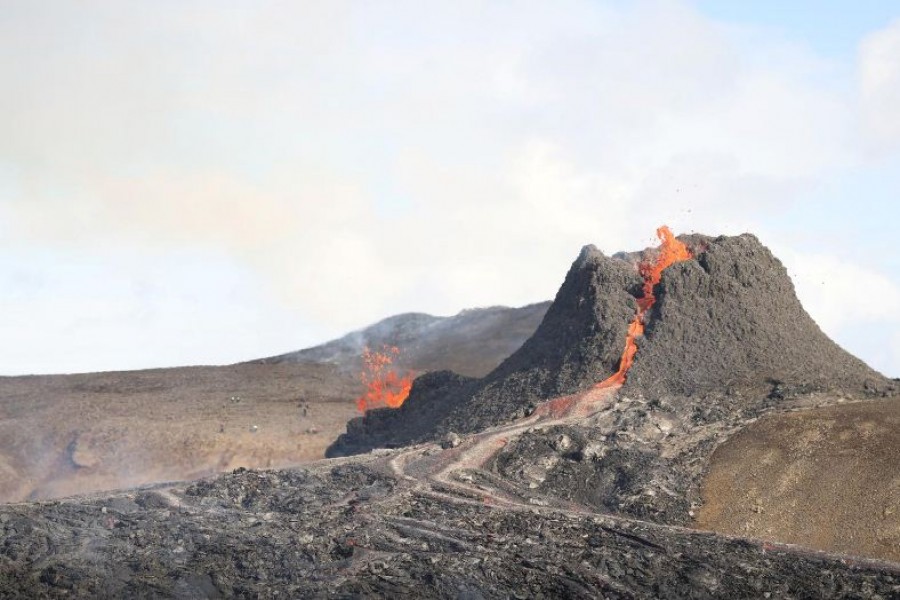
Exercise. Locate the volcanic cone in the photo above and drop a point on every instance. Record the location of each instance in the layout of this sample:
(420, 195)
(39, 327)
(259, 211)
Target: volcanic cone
(727, 318)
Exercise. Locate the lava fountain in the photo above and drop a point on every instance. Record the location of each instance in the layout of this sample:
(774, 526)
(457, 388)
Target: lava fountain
(383, 386)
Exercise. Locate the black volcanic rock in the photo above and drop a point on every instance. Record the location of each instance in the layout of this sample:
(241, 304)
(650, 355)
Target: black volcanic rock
(430, 401)
(726, 319)
(580, 339)
(351, 531)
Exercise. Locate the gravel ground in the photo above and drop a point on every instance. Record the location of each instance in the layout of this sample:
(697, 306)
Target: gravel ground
(351, 530)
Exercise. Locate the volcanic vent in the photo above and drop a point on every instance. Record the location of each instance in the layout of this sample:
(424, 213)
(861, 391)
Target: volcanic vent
(720, 314)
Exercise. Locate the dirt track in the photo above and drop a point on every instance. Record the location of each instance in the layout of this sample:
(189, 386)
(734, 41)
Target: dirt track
(824, 478)
(464, 468)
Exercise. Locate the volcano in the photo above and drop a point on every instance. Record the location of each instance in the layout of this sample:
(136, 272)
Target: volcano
(573, 469)
(725, 319)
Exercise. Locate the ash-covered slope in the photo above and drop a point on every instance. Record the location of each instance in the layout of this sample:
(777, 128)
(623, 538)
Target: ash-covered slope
(472, 342)
(578, 343)
(726, 319)
(731, 318)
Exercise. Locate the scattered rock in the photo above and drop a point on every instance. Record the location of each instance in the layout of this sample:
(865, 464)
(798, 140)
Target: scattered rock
(562, 443)
(451, 440)
(592, 451)
(288, 533)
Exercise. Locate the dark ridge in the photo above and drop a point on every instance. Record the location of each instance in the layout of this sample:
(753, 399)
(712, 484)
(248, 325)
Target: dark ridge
(729, 318)
(472, 342)
(430, 402)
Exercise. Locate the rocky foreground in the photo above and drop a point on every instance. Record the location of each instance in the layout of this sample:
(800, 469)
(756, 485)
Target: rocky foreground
(352, 529)
(433, 520)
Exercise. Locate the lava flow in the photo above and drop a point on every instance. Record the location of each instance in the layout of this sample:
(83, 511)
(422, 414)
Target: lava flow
(671, 251)
(383, 386)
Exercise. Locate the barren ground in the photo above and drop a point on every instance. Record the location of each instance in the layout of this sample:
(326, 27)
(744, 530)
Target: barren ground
(70, 434)
(826, 478)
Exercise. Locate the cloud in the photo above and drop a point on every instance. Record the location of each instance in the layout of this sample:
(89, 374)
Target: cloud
(855, 304)
(307, 233)
(364, 159)
(879, 81)
(841, 294)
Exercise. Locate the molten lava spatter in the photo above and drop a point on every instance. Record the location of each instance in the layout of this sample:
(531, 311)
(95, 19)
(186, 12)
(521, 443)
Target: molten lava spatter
(671, 251)
(384, 387)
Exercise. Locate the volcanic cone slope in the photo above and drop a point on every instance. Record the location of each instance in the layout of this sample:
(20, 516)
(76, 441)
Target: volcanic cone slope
(726, 319)
(731, 318)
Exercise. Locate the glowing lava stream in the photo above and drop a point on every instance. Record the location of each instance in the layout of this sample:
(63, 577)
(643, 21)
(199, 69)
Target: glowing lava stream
(671, 251)
(449, 474)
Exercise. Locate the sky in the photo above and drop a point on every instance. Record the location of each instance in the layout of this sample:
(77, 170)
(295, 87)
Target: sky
(205, 182)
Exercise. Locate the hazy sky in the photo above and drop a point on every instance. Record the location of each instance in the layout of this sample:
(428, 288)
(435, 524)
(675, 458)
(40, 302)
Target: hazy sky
(206, 182)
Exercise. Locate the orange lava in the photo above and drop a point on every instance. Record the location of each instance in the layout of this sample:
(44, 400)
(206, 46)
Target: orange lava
(384, 387)
(670, 252)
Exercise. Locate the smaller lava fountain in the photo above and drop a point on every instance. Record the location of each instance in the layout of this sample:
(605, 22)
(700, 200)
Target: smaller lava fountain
(384, 387)
(671, 251)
